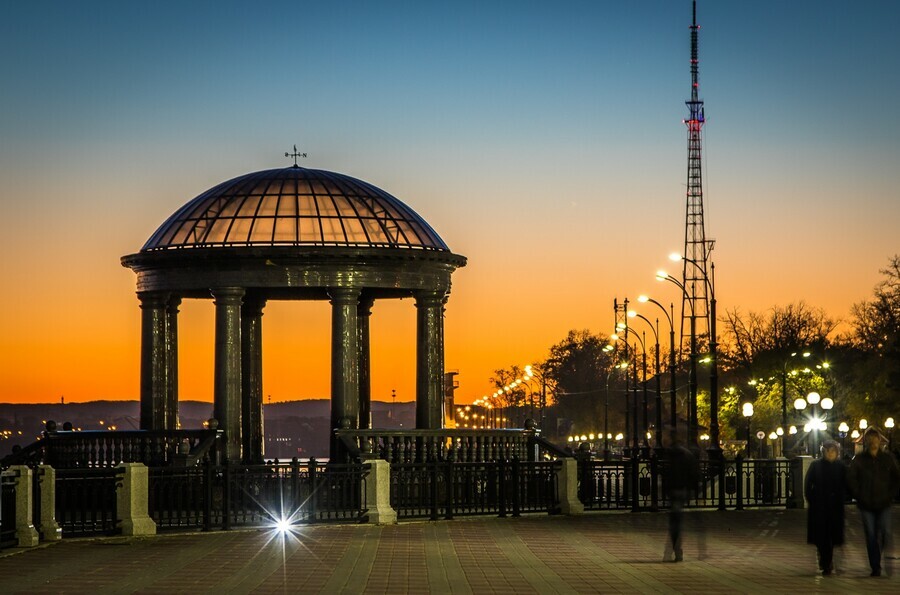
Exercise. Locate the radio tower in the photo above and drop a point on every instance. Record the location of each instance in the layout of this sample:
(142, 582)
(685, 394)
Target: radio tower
(695, 301)
(695, 309)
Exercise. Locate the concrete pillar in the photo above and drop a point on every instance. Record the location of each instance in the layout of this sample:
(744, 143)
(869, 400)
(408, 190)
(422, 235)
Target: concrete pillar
(252, 379)
(154, 361)
(344, 362)
(799, 481)
(567, 480)
(131, 500)
(363, 314)
(377, 493)
(50, 529)
(227, 391)
(171, 348)
(430, 359)
(26, 534)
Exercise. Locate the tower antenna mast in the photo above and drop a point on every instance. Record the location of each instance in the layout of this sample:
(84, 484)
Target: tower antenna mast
(695, 301)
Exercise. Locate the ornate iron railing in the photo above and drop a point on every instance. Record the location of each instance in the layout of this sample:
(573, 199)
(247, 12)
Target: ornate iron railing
(464, 446)
(224, 496)
(607, 485)
(86, 501)
(95, 448)
(444, 489)
(8, 510)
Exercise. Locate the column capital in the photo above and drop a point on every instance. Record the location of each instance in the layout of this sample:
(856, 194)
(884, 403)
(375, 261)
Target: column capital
(254, 304)
(172, 304)
(364, 308)
(344, 295)
(228, 296)
(430, 297)
(153, 299)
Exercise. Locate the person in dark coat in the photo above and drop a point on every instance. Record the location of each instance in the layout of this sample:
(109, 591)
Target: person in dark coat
(682, 474)
(874, 480)
(825, 489)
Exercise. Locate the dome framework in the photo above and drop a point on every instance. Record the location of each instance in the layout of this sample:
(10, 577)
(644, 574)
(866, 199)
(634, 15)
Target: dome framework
(289, 234)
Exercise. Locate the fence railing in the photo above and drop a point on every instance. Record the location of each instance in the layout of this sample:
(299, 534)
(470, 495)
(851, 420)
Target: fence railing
(444, 489)
(641, 484)
(96, 448)
(225, 496)
(86, 501)
(8, 511)
(463, 446)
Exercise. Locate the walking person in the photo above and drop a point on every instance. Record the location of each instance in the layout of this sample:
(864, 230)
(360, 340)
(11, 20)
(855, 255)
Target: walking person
(825, 489)
(874, 480)
(680, 479)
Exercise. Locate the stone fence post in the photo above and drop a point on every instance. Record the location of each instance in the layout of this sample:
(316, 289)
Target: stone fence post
(50, 529)
(377, 493)
(26, 534)
(131, 500)
(800, 465)
(568, 487)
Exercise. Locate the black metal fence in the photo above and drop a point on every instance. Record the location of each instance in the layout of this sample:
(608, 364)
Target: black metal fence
(641, 484)
(444, 489)
(8, 511)
(86, 501)
(224, 496)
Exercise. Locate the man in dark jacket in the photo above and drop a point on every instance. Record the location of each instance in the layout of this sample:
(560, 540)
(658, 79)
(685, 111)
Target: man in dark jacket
(825, 489)
(874, 479)
(682, 473)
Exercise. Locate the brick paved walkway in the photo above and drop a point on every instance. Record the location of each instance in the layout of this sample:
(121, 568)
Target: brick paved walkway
(725, 552)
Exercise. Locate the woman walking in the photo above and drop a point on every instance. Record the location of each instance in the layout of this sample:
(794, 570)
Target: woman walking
(825, 489)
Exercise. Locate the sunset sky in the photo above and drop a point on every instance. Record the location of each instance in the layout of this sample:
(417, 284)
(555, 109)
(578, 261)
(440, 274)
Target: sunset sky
(543, 141)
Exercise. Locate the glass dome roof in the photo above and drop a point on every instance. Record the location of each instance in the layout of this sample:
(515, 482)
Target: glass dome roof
(295, 206)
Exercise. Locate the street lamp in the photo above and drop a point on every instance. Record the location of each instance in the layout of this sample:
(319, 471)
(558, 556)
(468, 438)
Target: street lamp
(634, 314)
(710, 280)
(628, 330)
(747, 412)
(606, 434)
(889, 424)
(673, 414)
(692, 369)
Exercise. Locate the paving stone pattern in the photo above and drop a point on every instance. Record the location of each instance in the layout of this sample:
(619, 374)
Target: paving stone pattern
(753, 551)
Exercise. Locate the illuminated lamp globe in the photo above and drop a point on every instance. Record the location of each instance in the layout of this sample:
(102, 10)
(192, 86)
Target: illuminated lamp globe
(813, 398)
(827, 404)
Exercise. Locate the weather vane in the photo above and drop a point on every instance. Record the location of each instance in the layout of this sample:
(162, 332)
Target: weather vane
(295, 155)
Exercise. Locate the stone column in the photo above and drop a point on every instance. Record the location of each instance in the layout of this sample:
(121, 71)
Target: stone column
(171, 346)
(376, 493)
(26, 534)
(227, 391)
(154, 361)
(49, 527)
(252, 379)
(567, 480)
(430, 359)
(131, 500)
(344, 362)
(364, 313)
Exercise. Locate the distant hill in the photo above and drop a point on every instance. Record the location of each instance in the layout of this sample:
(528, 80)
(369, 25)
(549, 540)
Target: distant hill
(292, 428)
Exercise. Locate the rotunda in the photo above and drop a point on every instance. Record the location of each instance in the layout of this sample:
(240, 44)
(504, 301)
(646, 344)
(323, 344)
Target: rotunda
(289, 234)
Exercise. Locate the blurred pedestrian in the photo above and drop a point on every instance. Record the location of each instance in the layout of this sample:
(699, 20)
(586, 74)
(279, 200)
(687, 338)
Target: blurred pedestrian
(874, 480)
(682, 473)
(825, 489)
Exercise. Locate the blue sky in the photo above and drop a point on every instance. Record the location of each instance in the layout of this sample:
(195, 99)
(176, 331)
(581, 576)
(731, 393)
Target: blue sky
(541, 140)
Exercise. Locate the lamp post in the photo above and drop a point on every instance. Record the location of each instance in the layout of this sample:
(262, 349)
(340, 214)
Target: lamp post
(634, 422)
(843, 428)
(710, 281)
(747, 412)
(692, 369)
(606, 434)
(655, 330)
(889, 424)
(673, 413)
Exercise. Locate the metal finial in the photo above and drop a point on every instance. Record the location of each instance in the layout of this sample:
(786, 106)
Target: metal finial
(295, 155)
